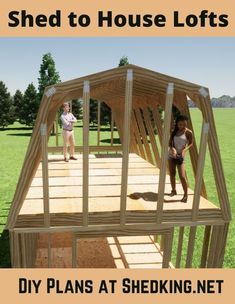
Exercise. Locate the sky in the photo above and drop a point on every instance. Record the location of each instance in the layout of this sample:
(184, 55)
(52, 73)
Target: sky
(209, 62)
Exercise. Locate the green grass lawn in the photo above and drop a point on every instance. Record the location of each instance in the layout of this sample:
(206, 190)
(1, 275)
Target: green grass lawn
(13, 145)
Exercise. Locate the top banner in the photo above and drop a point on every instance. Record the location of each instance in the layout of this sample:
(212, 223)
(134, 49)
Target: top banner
(79, 18)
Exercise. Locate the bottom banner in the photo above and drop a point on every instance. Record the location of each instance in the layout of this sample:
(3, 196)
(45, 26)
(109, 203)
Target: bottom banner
(115, 285)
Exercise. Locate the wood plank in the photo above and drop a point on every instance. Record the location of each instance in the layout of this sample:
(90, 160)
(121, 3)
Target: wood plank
(164, 152)
(200, 170)
(85, 164)
(45, 178)
(126, 145)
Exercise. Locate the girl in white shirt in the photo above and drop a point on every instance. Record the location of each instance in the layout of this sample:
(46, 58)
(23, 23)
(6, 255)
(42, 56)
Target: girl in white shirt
(181, 140)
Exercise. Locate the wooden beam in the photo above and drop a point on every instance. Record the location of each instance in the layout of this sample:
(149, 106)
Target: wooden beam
(126, 143)
(164, 152)
(168, 242)
(182, 104)
(179, 247)
(49, 250)
(158, 123)
(151, 136)
(205, 102)
(86, 107)
(200, 169)
(191, 244)
(79, 149)
(98, 123)
(205, 246)
(45, 178)
(137, 136)
(57, 130)
(74, 251)
(143, 135)
(112, 127)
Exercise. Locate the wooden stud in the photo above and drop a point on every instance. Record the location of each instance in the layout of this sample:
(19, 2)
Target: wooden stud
(179, 247)
(158, 123)
(23, 250)
(205, 246)
(137, 136)
(168, 240)
(191, 244)
(49, 251)
(164, 153)
(182, 104)
(45, 178)
(152, 136)
(98, 123)
(200, 167)
(86, 105)
(74, 251)
(143, 135)
(205, 105)
(112, 128)
(57, 131)
(126, 143)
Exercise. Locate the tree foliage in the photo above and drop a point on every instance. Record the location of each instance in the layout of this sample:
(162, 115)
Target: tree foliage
(47, 74)
(6, 107)
(29, 108)
(123, 61)
(18, 100)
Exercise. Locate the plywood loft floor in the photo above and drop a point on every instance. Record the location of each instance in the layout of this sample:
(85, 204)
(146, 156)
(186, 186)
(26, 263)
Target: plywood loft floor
(65, 187)
(111, 252)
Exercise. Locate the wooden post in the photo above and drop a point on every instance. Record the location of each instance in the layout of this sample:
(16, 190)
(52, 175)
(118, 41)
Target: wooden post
(158, 123)
(164, 153)
(137, 136)
(205, 246)
(126, 143)
(168, 242)
(200, 169)
(98, 123)
(86, 105)
(143, 135)
(74, 251)
(49, 251)
(112, 127)
(23, 250)
(182, 104)
(217, 246)
(57, 131)
(45, 179)
(205, 104)
(180, 246)
(191, 243)
(151, 136)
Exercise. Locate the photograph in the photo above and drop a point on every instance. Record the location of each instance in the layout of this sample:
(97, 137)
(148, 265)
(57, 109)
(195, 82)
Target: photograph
(117, 152)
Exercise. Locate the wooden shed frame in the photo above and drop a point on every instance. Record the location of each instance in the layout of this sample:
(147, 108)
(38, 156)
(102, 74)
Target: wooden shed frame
(130, 92)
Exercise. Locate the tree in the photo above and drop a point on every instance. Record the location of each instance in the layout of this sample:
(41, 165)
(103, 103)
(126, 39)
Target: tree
(105, 111)
(123, 61)
(6, 107)
(17, 103)
(77, 108)
(47, 74)
(28, 110)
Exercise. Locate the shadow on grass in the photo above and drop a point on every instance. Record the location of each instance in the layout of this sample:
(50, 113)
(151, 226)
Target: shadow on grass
(20, 134)
(5, 258)
(108, 140)
(94, 128)
(16, 129)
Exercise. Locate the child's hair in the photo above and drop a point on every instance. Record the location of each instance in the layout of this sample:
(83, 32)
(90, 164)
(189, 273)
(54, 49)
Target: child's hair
(178, 118)
(65, 104)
